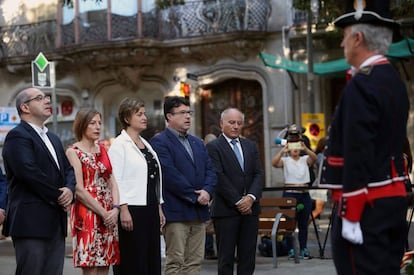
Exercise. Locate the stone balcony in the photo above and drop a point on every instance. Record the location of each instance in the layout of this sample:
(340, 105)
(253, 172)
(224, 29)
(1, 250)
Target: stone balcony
(198, 29)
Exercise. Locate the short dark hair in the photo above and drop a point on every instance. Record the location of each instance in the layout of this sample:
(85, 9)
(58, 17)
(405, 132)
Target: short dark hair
(171, 102)
(127, 108)
(82, 119)
(22, 97)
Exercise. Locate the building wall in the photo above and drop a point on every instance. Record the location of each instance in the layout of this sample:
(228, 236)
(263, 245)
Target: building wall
(103, 87)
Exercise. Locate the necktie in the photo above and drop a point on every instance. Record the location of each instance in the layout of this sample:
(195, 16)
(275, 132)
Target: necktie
(237, 152)
(187, 146)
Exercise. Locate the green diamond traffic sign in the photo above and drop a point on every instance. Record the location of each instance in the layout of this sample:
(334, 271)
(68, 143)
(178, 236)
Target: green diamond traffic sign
(41, 62)
(42, 72)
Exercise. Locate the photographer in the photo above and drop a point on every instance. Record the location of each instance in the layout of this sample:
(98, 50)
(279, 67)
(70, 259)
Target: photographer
(296, 174)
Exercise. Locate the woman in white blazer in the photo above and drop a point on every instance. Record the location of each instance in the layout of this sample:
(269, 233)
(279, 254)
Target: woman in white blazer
(138, 172)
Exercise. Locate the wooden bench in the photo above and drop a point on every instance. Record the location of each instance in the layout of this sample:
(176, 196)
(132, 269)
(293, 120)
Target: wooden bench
(278, 217)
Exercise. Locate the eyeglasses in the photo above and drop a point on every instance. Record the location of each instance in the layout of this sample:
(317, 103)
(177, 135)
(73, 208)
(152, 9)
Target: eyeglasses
(183, 113)
(38, 98)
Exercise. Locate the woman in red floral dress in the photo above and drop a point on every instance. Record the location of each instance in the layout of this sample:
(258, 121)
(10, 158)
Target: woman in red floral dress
(95, 212)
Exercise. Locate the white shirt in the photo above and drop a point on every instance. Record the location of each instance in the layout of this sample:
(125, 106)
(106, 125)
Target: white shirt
(367, 62)
(42, 133)
(296, 171)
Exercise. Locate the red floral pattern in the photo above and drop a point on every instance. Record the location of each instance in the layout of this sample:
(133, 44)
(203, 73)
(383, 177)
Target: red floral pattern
(94, 244)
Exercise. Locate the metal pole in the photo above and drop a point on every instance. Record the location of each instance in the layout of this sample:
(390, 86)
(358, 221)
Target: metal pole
(54, 110)
(310, 75)
(54, 101)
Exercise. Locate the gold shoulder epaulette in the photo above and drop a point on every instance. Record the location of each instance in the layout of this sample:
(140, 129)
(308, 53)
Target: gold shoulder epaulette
(365, 70)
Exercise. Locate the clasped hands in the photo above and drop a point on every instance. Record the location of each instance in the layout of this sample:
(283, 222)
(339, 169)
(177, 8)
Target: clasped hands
(352, 232)
(245, 205)
(65, 199)
(203, 197)
(2, 215)
(110, 218)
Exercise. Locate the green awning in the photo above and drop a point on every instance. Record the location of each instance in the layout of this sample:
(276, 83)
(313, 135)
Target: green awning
(402, 49)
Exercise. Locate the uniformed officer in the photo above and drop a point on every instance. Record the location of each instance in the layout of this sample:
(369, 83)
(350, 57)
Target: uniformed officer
(364, 162)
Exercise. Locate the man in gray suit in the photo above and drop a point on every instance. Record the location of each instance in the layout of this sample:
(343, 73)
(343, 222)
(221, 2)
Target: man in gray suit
(235, 206)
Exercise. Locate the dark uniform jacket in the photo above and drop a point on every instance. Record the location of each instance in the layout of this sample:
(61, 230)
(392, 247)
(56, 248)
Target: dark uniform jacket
(366, 139)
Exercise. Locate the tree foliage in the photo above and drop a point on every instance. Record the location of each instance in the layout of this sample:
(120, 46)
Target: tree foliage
(330, 9)
(403, 9)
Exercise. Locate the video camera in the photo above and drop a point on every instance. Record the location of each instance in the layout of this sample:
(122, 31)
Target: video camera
(293, 137)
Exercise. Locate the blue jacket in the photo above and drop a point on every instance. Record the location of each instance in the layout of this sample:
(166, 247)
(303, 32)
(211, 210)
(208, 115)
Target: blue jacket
(181, 177)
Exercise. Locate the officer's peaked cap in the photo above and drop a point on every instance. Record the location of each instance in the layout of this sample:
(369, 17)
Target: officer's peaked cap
(375, 12)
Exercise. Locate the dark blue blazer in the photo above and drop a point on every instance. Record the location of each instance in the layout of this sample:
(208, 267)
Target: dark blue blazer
(232, 181)
(181, 177)
(368, 132)
(33, 181)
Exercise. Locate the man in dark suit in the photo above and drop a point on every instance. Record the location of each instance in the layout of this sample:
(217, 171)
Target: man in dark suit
(189, 179)
(235, 206)
(41, 185)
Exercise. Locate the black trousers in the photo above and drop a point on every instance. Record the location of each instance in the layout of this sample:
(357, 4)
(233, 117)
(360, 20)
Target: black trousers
(384, 229)
(236, 232)
(40, 256)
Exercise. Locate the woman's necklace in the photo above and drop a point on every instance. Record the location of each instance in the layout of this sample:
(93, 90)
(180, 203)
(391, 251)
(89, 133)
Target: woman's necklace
(138, 142)
(88, 147)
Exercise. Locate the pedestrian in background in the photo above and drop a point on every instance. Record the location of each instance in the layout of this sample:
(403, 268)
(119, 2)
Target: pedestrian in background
(189, 180)
(319, 196)
(235, 207)
(94, 215)
(364, 160)
(137, 171)
(41, 187)
(209, 251)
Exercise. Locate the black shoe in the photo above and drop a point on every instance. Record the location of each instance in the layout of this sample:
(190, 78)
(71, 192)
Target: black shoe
(210, 257)
(304, 253)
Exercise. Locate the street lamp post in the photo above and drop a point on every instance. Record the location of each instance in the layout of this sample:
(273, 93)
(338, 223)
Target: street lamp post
(312, 9)
(310, 75)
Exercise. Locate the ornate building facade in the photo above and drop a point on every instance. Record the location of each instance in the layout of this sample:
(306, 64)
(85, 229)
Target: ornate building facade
(104, 51)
